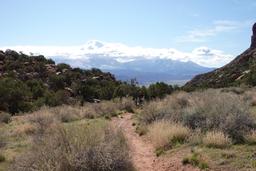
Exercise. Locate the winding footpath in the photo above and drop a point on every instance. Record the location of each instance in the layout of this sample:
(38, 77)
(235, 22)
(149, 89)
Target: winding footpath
(142, 151)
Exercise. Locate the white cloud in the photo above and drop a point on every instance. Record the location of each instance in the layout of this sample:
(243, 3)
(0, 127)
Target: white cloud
(122, 53)
(219, 26)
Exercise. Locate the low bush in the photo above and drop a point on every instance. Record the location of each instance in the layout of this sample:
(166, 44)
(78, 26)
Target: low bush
(195, 160)
(141, 129)
(216, 139)
(79, 147)
(165, 134)
(170, 108)
(67, 113)
(127, 104)
(251, 137)
(4, 117)
(2, 158)
(26, 128)
(196, 137)
(42, 119)
(2, 140)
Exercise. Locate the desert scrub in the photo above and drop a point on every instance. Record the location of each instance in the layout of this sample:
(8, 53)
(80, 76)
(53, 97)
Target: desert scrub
(216, 139)
(251, 137)
(205, 110)
(195, 160)
(4, 117)
(166, 134)
(210, 110)
(141, 129)
(77, 147)
(170, 108)
(67, 113)
(195, 137)
(2, 139)
(126, 104)
(2, 158)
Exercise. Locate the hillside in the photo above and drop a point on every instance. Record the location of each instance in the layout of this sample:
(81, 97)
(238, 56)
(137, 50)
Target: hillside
(28, 82)
(241, 70)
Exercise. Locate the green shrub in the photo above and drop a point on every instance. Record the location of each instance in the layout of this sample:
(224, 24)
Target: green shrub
(14, 96)
(195, 160)
(2, 158)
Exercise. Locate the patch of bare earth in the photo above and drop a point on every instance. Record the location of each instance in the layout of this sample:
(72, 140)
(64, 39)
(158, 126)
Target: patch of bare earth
(142, 151)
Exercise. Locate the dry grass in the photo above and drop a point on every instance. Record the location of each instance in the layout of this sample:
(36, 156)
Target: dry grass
(205, 110)
(251, 137)
(27, 129)
(67, 113)
(195, 137)
(105, 148)
(77, 147)
(163, 133)
(216, 139)
(170, 108)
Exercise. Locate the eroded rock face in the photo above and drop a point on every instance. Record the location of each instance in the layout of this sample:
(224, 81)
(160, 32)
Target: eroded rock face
(253, 44)
(254, 29)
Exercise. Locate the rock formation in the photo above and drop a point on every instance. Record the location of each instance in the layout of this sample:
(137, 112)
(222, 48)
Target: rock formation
(253, 44)
(234, 73)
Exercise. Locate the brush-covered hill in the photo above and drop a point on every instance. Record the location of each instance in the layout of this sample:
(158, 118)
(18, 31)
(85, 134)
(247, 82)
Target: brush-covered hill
(242, 70)
(28, 82)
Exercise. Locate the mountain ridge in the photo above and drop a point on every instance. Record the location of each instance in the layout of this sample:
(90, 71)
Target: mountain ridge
(239, 71)
(155, 69)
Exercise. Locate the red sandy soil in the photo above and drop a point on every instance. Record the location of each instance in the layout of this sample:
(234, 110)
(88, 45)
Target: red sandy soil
(142, 151)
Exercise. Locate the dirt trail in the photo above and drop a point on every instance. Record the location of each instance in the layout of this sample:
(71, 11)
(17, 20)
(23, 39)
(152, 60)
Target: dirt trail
(142, 151)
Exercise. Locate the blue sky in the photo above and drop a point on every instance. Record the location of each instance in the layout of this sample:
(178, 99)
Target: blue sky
(181, 24)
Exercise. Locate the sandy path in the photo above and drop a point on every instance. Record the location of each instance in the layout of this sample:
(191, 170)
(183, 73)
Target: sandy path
(142, 151)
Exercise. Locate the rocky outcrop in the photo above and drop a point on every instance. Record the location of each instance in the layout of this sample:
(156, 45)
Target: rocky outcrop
(253, 43)
(233, 74)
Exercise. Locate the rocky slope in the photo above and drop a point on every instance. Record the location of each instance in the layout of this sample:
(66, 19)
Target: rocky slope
(26, 67)
(239, 71)
(29, 82)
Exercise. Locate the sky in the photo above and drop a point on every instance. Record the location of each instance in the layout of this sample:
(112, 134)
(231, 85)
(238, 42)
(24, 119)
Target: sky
(183, 25)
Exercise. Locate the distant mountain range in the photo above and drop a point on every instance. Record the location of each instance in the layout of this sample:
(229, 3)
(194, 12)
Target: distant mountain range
(145, 68)
(147, 65)
(146, 71)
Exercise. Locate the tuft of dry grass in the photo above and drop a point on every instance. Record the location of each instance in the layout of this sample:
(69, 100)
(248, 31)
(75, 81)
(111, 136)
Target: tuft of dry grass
(251, 137)
(163, 133)
(26, 128)
(216, 139)
(67, 113)
(196, 137)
